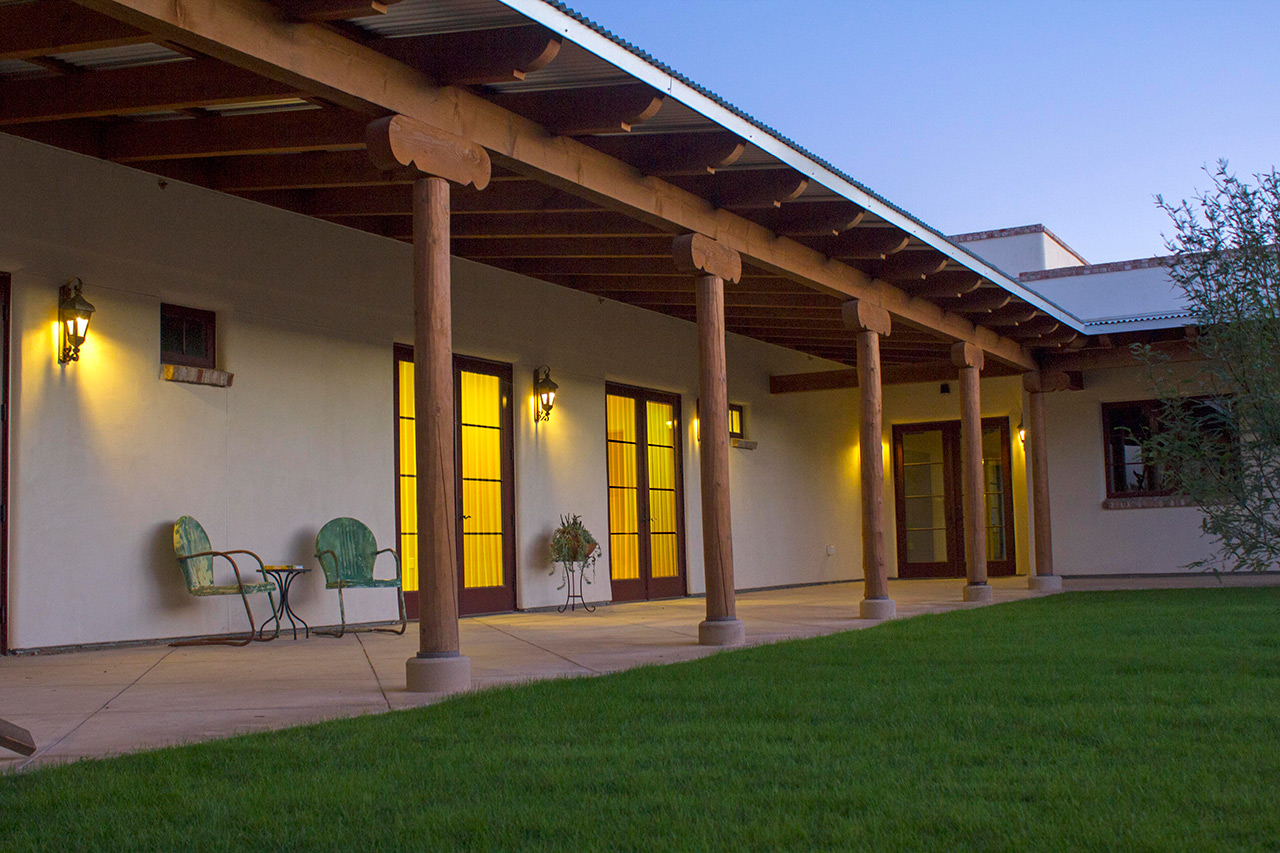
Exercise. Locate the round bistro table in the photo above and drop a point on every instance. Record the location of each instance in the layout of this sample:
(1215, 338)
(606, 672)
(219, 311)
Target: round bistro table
(283, 576)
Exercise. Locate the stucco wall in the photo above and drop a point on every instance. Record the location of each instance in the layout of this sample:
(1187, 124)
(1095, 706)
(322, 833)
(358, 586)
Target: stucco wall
(1088, 539)
(105, 455)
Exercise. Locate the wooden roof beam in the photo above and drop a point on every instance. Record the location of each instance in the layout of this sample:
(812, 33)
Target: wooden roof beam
(946, 284)
(580, 112)
(748, 188)
(802, 218)
(861, 244)
(32, 30)
(477, 56)
(665, 155)
(348, 74)
(982, 301)
(911, 266)
(226, 136)
(147, 88)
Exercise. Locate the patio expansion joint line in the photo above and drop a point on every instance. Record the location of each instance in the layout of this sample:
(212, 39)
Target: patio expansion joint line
(374, 670)
(41, 752)
(543, 648)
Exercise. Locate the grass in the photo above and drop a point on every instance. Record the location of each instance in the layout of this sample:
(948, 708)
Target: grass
(1103, 721)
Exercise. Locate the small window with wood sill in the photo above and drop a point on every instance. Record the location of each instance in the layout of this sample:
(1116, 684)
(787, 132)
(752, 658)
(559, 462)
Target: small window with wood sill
(188, 336)
(1134, 479)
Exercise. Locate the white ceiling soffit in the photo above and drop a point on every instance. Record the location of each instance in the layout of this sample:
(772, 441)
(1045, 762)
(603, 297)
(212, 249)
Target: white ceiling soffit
(576, 31)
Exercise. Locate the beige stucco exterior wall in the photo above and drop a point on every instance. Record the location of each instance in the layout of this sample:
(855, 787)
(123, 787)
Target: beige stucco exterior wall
(105, 454)
(1088, 539)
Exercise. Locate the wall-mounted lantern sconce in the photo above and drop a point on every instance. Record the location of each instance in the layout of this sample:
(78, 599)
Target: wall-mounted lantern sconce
(73, 320)
(1022, 432)
(545, 391)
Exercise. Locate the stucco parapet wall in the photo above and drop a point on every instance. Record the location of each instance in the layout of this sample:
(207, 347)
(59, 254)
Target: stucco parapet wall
(1018, 231)
(198, 376)
(1149, 502)
(1095, 269)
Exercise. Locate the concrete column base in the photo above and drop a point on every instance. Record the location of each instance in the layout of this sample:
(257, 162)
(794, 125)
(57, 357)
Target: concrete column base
(721, 632)
(445, 674)
(1045, 583)
(877, 608)
(977, 592)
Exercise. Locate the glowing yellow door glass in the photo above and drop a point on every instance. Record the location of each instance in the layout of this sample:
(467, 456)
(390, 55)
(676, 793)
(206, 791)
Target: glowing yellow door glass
(663, 555)
(405, 477)
(624, 529)
(480, 434)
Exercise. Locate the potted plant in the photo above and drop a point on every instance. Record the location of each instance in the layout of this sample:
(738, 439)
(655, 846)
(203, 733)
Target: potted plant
(576, 550)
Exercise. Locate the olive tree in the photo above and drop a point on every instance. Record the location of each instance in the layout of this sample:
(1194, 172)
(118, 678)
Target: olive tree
(1219, 436)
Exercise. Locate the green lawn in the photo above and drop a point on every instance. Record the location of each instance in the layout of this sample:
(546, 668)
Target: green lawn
(1107, 721)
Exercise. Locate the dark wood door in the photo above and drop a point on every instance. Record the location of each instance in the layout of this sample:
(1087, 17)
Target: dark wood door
(484, 479)
(484, 466)
(929, 509)
(646, 494)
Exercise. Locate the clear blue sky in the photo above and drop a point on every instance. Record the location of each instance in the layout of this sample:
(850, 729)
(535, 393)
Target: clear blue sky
(976, 115)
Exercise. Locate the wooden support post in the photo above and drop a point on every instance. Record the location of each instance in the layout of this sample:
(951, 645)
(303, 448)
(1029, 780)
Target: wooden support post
(1036, 385)
(696, 253)
(393, 143)
(969, 359)
(870, 322)
(439, 666)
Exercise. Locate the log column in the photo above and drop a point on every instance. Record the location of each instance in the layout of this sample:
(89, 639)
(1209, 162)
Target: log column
(969, 359)
(394, 143)
(696, 253)
(870, 322)
(1037, 384)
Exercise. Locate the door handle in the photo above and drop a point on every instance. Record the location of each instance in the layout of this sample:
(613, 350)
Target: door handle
(465, 517)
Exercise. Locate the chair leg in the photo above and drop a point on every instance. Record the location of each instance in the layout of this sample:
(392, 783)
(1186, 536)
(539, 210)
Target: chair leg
(404, 622)
(223, 641)
(342, 619)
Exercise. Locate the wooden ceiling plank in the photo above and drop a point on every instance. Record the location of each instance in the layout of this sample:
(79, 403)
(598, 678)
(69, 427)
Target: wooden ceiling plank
(287, 132)
(475, 57)
(318, 11)
(147, 88)
(580, 112)
(32, 30)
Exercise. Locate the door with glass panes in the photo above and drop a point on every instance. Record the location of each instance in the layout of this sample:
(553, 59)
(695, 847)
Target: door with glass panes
(646, 501)
(929, 503)
(484, 474)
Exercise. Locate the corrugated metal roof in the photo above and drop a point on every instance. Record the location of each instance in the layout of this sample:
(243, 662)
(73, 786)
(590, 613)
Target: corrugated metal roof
(425, 17)
(121, 57)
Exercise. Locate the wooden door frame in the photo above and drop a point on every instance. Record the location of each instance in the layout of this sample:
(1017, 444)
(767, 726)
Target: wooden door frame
(497, 599)
(953, 501)
(404, 352)
(651, 588)
(6, 313)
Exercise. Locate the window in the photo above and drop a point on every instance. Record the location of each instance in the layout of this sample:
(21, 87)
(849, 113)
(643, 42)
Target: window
(1128, 426)
(735, 420)
(187, 336)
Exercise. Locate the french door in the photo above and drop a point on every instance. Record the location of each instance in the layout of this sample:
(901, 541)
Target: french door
(929, 501)
(646, 500)
(484, 481)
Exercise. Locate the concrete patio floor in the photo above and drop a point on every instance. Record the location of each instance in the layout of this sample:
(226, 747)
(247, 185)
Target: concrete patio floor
(97, 703)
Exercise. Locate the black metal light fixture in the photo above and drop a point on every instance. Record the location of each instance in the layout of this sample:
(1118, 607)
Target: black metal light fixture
(74, 312)
(545, 391)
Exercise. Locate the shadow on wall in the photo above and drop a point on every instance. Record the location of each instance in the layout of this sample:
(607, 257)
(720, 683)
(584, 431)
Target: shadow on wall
(164, 565)
(302, 550)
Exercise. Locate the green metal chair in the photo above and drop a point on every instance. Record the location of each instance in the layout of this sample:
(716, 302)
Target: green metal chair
(195, 557)
(347, 551)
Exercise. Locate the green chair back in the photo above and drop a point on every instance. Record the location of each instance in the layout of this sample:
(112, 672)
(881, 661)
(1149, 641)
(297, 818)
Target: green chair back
(189, 538)
(353, 549)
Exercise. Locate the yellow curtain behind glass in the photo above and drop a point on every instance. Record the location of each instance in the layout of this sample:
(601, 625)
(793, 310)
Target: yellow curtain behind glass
(405, 477)
(624, 535)
(480, 434)
(664, 558)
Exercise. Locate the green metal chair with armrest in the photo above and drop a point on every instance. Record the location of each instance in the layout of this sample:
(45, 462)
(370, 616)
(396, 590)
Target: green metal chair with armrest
(347, 551)
(195, 557)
